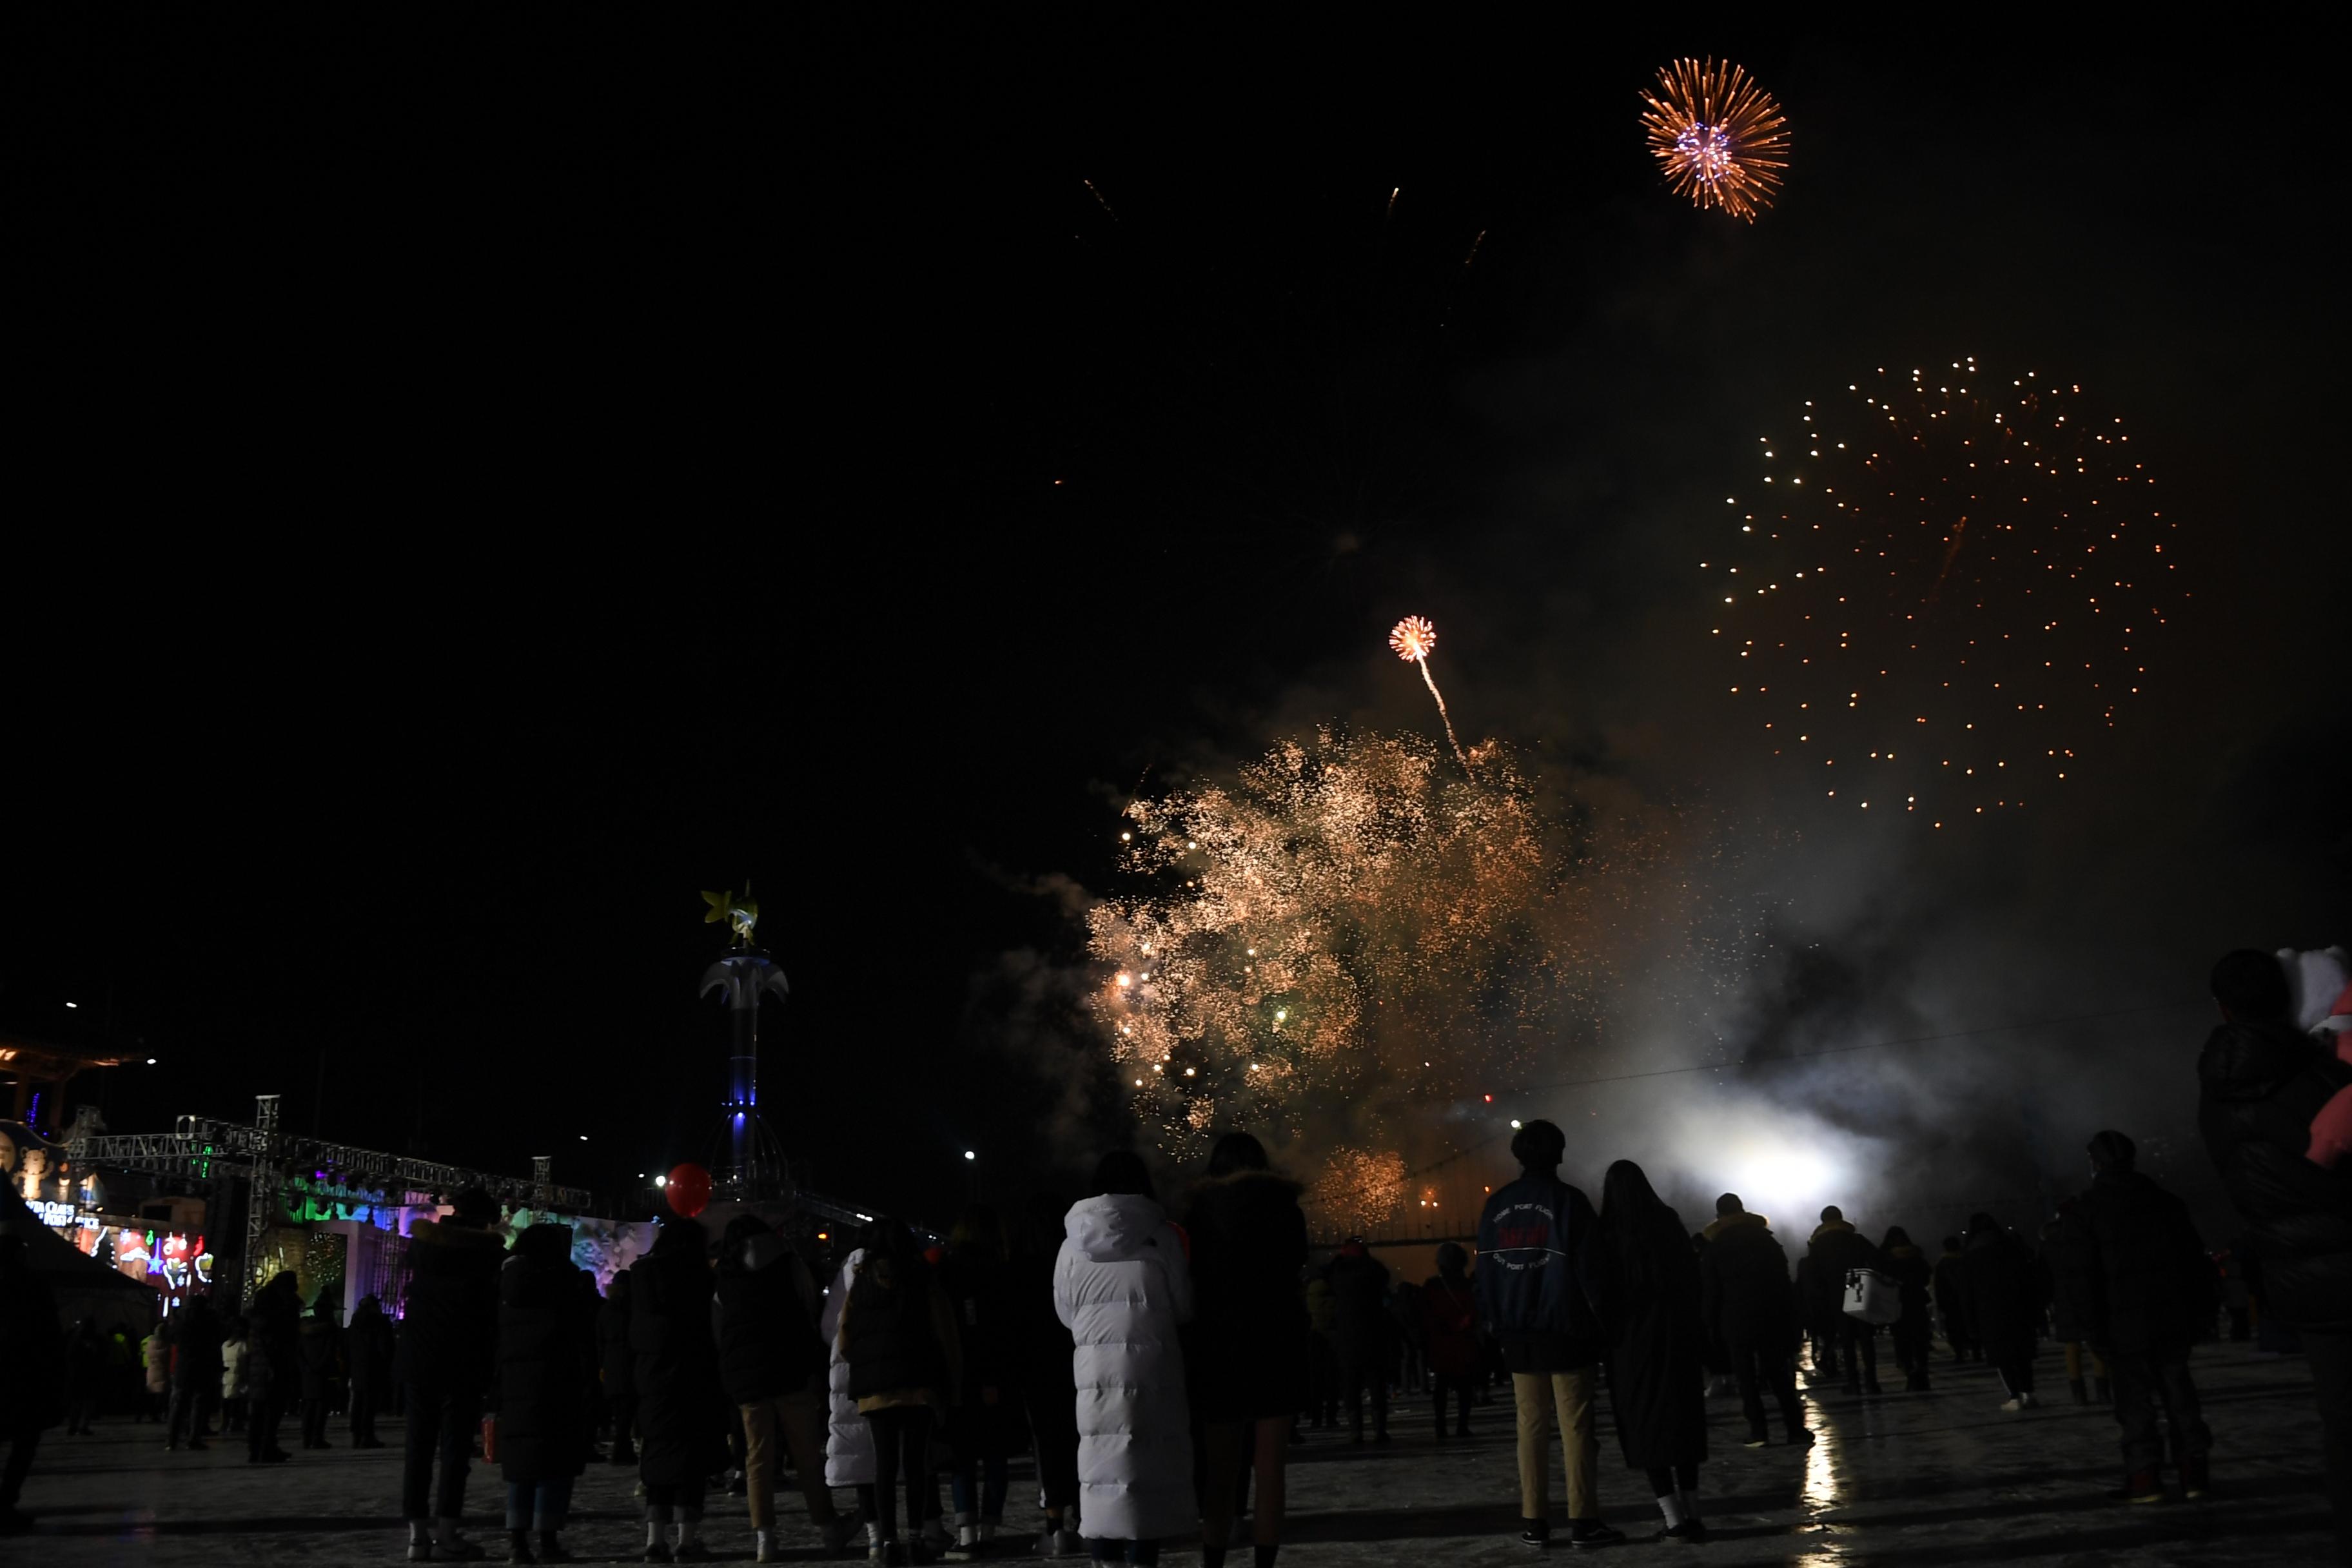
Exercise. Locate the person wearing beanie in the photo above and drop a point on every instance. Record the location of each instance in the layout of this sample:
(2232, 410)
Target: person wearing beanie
(2145, 1293)
(1543, 1292)
(2261, 1082)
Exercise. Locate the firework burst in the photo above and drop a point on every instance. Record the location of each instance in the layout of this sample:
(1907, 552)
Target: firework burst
(1720, 138)
(1412, 638)
(1943, 596)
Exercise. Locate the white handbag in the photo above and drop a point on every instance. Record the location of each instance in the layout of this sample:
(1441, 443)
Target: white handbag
(1872, 1296)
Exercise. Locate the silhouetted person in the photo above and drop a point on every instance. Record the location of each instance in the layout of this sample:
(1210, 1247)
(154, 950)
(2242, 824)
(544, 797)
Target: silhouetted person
(2007, 1291)
(1837, 1250)
(367, 1353)
(273, 1373)
(1657, 1371)
(195, 1371)
(898, 1335)
(236, 1387)
(316, 1348)
(773, 1363)
(1911, 1332)
(2261, 1082)
(2146, 1294)
(683, 1415)
(1748, 1309)
(547, 1336)
(1363, 1333)
(1043, 1356)
(1449, 1305)
(1543, 1291)
(2063, 1248)
(1952, 1302)
(1248, 1357)
(32, 1373)
(448, 1355)
(618, 1365)
(85, 1374)
(979, 1427)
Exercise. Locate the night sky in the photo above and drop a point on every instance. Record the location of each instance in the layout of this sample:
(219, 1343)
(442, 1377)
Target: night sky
(476, 492)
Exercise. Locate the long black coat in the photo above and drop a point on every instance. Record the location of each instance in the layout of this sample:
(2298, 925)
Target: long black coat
(616, 1359)
(768, 1345)
(32, 1348)
(547, 1347)
(314, 1350)
(1247, 1347)
(2006, 1290)
(2259, 1086)
(1952, 1298)
(272, 1366)
(1837, 1247)
(682, 1411)
(449, 1337)
(1909, 1267)
(195, 1333)
(368, 1349)
(1657, 1372)
(1744, 1294)
(2147, 1287)
(1363, 1330)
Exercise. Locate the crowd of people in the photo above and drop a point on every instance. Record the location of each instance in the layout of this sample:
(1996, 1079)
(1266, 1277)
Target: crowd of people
(1159, 1363)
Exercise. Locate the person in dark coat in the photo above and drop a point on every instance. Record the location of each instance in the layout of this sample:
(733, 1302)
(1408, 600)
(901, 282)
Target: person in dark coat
(618, 1365)
(449, 1347)
(1247, 1348)
(317, 1352)
(1363, 1333)
(1449, 1305)
(1657, 1371)
(1837, 1249)
(980, 1429)
(2146, 1295)
(1043, 1355)
(367, 1352)
(1746, 1307)
(683, 1415)
(196, 1338)
(1909, 1267)
(32, 1373)
(1820, 1329)
(2007, 1288)
(1544, 1291)
(1406, 1334)
(1952, 1303)
(899, 1336)
(2063, 1257)
(545, 1428)
(772, 1362)
(2261, 1081)
(274, 1374)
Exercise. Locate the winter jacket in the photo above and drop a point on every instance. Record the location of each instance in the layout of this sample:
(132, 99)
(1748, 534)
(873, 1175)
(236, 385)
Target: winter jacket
(1744, 1295)
(1248, 1348)
(272, 1368)
(683, 1416)
(767, 1346)
(2006, 1290)
(233, 1369)
(449, 1337)
(1363, 1332)
(2145, 1285)
(547, 1355)
(1907, 1265)
(1543, 1276)
(849, 1436)
(1449, 1324)
(1657, 1369)
(32, 1348)
(2260, 1086)
(1123, 1286)
(1837, 1249)
(898, 1334)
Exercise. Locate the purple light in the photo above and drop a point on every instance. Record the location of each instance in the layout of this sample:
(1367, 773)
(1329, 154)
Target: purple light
(1708, 149)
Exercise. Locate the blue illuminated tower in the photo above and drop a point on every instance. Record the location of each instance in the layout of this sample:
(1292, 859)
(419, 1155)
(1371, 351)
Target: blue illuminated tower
(755, 1167)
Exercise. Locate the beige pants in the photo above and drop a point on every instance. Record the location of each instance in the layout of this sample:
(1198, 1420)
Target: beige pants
(800, 1419)
(1571, 1393)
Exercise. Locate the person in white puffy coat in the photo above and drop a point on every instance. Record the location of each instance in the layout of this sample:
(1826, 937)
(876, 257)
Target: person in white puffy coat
(1122, 1284)
(849, 1436)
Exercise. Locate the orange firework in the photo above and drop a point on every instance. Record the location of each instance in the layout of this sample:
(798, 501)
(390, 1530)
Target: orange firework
(1718, 136)
(1412, 638)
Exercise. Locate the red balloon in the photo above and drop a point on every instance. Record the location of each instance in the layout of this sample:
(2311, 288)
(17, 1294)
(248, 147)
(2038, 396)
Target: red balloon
(688, 1191)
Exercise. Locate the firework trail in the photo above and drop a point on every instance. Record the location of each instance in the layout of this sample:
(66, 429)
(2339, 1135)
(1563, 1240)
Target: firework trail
(1412, 638)
(1099, 197)
(1392, 199)
(1720, 137)
(1474, 250)
(1943, 594)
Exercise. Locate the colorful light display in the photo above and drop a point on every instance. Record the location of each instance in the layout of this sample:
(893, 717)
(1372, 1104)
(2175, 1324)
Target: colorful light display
(1721, 139)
